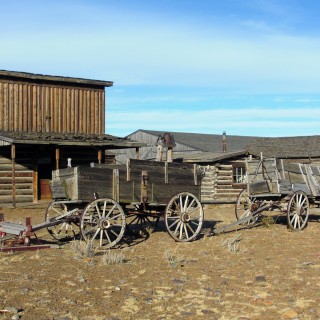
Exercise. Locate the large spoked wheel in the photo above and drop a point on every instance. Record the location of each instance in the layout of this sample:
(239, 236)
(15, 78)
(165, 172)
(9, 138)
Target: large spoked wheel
(184, 217)
(69, 228)
(141, 224)
(298, 211)
(243, 208)
(103, 223)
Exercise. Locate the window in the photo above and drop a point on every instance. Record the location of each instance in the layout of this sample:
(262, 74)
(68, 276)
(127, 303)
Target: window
(239, 174)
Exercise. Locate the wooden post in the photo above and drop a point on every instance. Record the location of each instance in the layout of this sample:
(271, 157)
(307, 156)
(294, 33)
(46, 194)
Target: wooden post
(144, 187)
(57, 157)
(35, 176)
(195, 174)
(169, 154)
(99, 156)
(128, 170)
(13, 157)
(115, 186)
(159, 152)
(166, 173)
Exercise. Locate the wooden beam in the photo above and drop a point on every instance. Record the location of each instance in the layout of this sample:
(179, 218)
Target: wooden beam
(13, 157)
(115, 185)
(57, 157)
(35, 176)
(99, 156)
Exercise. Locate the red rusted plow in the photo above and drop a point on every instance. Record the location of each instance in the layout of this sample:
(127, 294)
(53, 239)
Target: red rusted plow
(19, 237)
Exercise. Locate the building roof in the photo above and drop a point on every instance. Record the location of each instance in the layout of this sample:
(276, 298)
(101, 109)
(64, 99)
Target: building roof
(207, 142)
(23, 76)
(74, 139)
(208, 157)
(286, 147)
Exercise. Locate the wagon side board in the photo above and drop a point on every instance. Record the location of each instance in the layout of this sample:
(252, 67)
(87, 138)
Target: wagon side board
(157, 181)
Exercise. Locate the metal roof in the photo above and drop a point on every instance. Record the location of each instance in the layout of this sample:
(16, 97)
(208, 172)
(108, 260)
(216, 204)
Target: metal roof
(72, 139)
(207, 142)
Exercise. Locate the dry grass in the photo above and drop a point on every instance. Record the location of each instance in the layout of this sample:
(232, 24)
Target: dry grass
(113, 258)
(173, 258)
(233, 243)
(82, 249)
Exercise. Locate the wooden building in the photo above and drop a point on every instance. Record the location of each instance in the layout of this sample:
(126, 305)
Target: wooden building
(46, 123)
(222, 156)
(225, 175)
(185, 143)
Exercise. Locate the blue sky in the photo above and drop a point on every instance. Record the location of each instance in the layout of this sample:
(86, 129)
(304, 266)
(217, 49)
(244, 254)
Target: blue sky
(247, 67)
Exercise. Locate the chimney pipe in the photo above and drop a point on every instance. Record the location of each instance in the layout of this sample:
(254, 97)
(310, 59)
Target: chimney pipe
(224, 142)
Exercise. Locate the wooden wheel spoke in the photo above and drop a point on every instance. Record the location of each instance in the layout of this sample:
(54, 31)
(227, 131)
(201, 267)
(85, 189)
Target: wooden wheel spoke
(180, 231)
(184, 217)
(98, 211)
(190, 212)
(103, 220)
(174, 223)
(177, 227)
(298, 211)
(190, 228)
(107, 235)
(190, 206)
(110, 211)
(134, 220)
(96, 233)
(185, 230)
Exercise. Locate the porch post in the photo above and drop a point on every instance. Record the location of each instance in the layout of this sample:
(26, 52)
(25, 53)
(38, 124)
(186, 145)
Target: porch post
(99, 156)
(57, 157)
(13, 158)
(35, 176)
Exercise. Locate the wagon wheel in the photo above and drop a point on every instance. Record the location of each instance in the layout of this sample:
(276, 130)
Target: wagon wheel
(298, 211)
(103, 222)
(69, 227)
(243, 207)
(141, 224)
(184, 217)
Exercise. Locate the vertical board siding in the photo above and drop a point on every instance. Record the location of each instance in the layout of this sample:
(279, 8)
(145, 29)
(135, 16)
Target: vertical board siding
(44, 108)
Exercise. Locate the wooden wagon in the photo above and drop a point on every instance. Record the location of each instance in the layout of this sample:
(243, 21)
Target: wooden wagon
(100, 202)
(278, 184)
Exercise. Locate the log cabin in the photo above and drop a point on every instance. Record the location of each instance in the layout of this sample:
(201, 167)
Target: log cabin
(46, 123)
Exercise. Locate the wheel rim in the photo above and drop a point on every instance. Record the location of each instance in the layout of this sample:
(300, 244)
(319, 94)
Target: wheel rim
(140, 224)
(103, 223)
(184, 217)
(243, 207)
(298, 211)
(69, 228)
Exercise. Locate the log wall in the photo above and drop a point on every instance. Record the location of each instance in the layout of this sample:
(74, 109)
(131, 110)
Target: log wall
(16, 179)
(26, 106)
(218, 186)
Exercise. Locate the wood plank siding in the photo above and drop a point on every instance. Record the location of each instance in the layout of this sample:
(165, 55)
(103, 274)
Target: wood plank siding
(26, 106)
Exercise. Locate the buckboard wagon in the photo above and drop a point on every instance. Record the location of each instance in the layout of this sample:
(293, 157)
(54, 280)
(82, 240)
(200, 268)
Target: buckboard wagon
(278, 184)
(100, 202)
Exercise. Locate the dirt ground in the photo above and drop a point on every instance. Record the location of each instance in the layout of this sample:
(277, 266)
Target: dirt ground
(270, 273)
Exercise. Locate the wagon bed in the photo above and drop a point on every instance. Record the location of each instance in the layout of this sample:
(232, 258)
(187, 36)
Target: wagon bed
(155, 181)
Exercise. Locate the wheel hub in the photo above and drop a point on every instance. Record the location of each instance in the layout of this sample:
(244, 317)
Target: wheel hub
(104, 223)
(185, 217)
